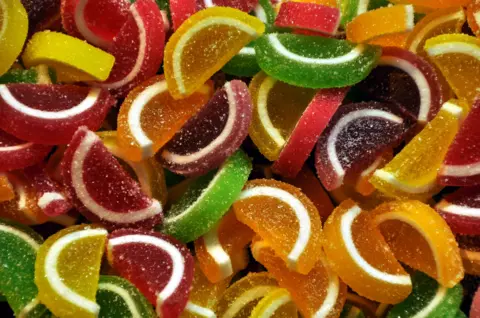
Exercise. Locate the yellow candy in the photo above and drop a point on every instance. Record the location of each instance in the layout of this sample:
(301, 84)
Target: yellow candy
(276, 304)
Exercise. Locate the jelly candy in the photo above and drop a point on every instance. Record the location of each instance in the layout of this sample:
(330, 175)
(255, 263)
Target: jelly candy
(265, 12)
(412, 173)
(158, 265)
(138, 48)
(361, 257)
(67, 271)
(428, 299)
(213, 134)
(243, 63)
(435, 4)
(149, 117)
(6, 189)
(203, 44)
(472, 17)
(207, 199)
(313, 121)
(243, 5)
(117, 297)
(101, 190)
(285, 218)
(391, 40)
(320, 293)
(355, 136)
(352, 8)
(17, 154)
(474, 309)
(181, 10)
(348, 191)
(276, 304)
(73, 59)
(221, 251)
(362, 184)
(40, 74)
(50, 114)
(297, 60)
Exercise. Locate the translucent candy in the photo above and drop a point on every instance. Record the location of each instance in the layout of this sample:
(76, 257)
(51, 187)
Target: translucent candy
(6, 189)
(181, 10)
(435, 4)
(276, 304)
(40, 74)
(350, 9)
(243, 63)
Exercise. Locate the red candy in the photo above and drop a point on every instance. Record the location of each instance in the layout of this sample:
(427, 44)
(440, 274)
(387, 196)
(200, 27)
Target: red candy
(181, 10)
(244, 5)
(160, 267)
(17, 154)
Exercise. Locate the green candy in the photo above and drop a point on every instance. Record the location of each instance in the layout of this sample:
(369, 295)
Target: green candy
(244, 63)
(313, 61)
(266, 13)
(118, 298)
(350, 311)
(428, 297)
(207, 199)
(35, 75)
(460, 314)
(352, 8)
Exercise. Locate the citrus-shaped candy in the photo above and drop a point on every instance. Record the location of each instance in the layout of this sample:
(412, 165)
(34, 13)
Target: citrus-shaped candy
(428, 299)
(244, 5)
(320, 293)
(213, 134)
(473, 16)
(243, 63)
(276, 304)
(73, 59)
(391, 40)
(158, 265)
(352, 8)
(13, 32)
(355, 136)
(435, 4)
(361, 257)
(181, 10)
(412, 173)
(40, 74)
(18, 154)
(297, 60)
(471, 260)
(149, 117)
(362, 184)
(6, 189)
(50, 114)
(285, 218)
(207, 199)
(117, 297)
(101, 190)
(204, 44)
(221, 251)
(67, 271)
(266, 13)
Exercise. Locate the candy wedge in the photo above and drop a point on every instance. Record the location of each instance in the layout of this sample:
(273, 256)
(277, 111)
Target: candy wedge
(434, 4)
(18, 154)
(277, 303)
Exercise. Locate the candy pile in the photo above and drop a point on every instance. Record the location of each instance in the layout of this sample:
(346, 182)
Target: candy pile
(240, 158)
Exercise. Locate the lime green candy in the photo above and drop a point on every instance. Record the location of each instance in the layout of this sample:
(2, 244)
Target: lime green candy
(207, 199)
(313, 61)
(352, 8)
(266, 13)
(40, 74)
(460, 314)
(17, 269)
(428, 299)
(350, 311)
(118, 298)
(243, 64)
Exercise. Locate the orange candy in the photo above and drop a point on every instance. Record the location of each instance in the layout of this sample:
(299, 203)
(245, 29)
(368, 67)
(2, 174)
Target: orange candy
(6, 189)
(434, 4)
(473, 16)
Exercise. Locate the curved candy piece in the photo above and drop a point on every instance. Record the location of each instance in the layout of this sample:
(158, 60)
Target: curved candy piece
(50, 114)
(67, 270)
(362, 184)
(160, 267)
(73, 59)
(6, 189)
(213, 134)
(101, 190)
(40, 74)
(355, 136)
(391, 40)
(266, 13)
(285, 218)
(18, 154)
(309, 127)
(276, 304)
(350, 311)
(219, 33)
(360, 256)
(243, 5)
(181, 10)
(475, 307)
(296, 60)
(473, 17)
(412, 173)
(244, 63)
(435, 4)
(149, 117)
(221, 251)
(117, 297)
(207, 199)
(352, 8)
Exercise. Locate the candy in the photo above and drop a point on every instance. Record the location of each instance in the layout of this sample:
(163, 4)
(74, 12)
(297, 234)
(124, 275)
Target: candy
(350, 311)
(40, 74)
(298, 60)
(73, 59)
(285, 218)
(243, 63)
(350, 9)
(435, 4)
(277, 303)
(67, 271)
(393, 40)
(475, 310)
(6, 189)
(181, 10)
(207, 199)
(265, 12)
(472, 16)
(149, 117)
(213, 134)
(119, 298)
(362, 184)
(203, 44)
(158, 265)
(101, 190)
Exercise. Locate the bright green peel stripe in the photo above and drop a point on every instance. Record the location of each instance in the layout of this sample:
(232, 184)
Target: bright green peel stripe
(244, 63)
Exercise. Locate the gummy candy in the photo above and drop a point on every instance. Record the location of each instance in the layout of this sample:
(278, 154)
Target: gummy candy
(362, 184)
(158, 265)
(265, 12)
(436, 4)
(40, 74)
(391, 40)
(243, 63)
(6, 189)
(42, 14)
(276, 304)
(243, 5)
(181, 10)
(474, 309)
(352, 8)
(473, 17)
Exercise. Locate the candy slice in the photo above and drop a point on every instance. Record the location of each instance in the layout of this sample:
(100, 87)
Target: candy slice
(428, 299)
(73, 59)
(181, 10)
(350, 311)
(207, 199)
(101, 190)
(149, 117)
(420, 238)
(158, 265)
(221, 251)
(320, 293)
(138, 48)
(475, 308)
(50, 114)
(435, 4)
(473, 17)
(6, 189)
(244, 63)
(67, 270)
(117, 297)
(413, 172)
(203, 44)
(213, 134)
(354, 138)
(40, 74)
(311, 124)
(244, 5)
(362, 184)
(285, 218)
(393, 40)
(277, 303)
(266, 13)
(361, 257)
(296, 60)
(350, 9)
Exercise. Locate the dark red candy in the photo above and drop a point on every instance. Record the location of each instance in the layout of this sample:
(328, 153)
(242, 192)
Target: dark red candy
(17, 154)
(181, 10)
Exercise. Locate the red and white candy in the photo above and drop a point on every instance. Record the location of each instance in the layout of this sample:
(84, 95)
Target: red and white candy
(17, 154)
